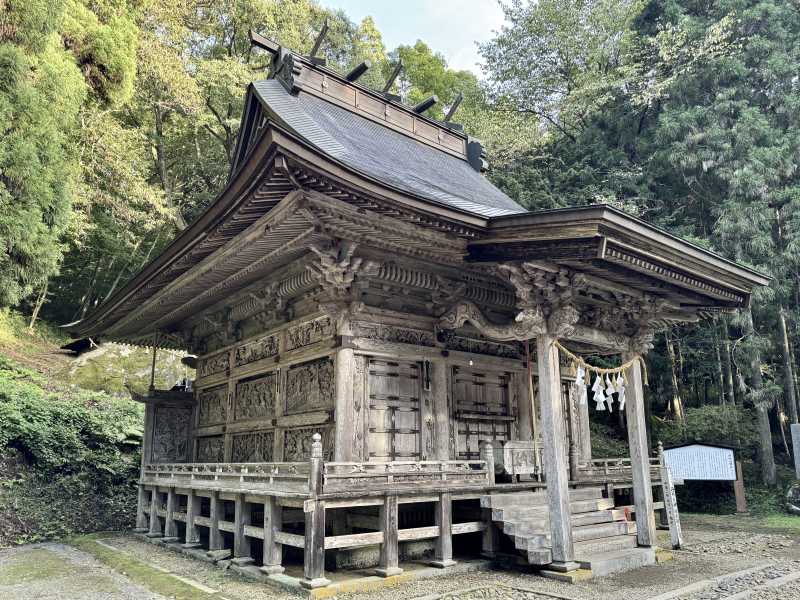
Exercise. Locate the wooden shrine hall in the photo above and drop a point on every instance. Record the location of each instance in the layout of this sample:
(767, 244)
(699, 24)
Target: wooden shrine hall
(388, 350)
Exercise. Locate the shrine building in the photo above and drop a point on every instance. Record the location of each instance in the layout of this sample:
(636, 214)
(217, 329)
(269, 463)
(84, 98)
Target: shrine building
(389, 351)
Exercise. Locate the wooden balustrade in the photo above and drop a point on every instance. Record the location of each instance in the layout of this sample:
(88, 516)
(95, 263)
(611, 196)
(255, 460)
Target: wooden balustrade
(612, 469)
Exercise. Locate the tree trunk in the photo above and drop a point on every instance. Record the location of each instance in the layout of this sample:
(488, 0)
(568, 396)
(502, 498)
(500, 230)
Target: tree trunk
(720, 369)
(161, 167)
(38, 306)
(788, 372)
(675, 405)
(766, 455)
(727, 367)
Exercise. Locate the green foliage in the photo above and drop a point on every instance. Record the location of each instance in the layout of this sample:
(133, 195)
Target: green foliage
(69, 459)
(606, 443)
(712, 424)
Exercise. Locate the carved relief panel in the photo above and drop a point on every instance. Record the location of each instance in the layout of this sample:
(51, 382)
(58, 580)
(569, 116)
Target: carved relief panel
(213, 405)
(391, 333)
(255, 446)
(255, 398)
(297, 443)
(309, 333)
(213, 364)
(210, 449)
(171, 434)
(309, 386)
(264, 347)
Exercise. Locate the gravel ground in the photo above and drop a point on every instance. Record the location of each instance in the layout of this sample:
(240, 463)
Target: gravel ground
(714, 548)
(59, 572)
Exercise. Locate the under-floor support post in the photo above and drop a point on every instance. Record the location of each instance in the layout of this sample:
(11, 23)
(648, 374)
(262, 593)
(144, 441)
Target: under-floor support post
(215, 541)
(192, 539)
(241, 543)
(554, 455)
(155, 522)
(443, 556)
(273, 523)
(142, 526)
(314, 559)
(389, 558)
(640, 456)
(170, 527)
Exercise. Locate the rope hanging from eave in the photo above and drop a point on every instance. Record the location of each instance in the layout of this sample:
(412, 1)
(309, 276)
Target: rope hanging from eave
(601, 370)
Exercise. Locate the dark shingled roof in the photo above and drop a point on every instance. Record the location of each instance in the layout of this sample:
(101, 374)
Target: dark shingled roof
(384, 154)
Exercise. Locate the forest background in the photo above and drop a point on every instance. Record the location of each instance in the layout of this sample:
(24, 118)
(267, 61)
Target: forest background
(118, 121)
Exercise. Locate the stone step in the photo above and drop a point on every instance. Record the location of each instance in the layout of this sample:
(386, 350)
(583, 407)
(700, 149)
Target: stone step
(523, 513)
(528, 543)
(500, 500)
(599, 546)
(603, 530)
(620, 560)
(525, 528)
(540, 556)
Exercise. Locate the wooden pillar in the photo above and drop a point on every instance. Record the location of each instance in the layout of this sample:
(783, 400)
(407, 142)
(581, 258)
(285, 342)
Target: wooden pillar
(490, 543)
(444, 521)
(344, 426)
(192, 539)
(640, 456)
(142, 526)
(389, 559)
(441, 409)
(215, 541)
(314, 509)
(241, 543)
(170, 527)
(273, 522)
(155, 523)
(554, 454)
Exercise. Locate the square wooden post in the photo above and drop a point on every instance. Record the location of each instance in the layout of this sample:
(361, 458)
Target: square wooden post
(215, 541)
(142, 526)
(170, 527)
(344, 425)
(389, 558)
(192, 539)
(155, 522)
(554, 455)
(241, 543)
(273, 522)
(640, 456)
(444, 521)
(441, 411)
(314, 509)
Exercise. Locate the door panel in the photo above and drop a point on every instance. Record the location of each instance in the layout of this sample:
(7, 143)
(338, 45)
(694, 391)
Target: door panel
(482, 410)
(394, 404)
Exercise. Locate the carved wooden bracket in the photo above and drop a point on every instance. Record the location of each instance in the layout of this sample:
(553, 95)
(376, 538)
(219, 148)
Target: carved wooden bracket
(527, 324)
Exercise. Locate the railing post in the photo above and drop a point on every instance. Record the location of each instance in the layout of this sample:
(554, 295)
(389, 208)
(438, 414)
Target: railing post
(141, 516)
(487, 454)
(241, 544)
(389, 558)
(155, 524)
(444, 543)
(273, 522)
(170, 527)
(192, 539)
(314, 509)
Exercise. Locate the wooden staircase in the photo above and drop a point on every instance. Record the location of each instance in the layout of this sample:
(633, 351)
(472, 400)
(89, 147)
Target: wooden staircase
(599, 530)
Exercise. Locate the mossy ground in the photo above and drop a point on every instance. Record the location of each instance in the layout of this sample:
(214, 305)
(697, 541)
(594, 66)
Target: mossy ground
(30, 565)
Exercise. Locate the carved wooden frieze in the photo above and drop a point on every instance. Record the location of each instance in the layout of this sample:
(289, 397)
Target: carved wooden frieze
(211, 449)
(213, 364)
(255, 399)
(255, 446)
(309, 333)
(309, 386)
(213, 405)
(476, 346)
(171, 434)
(263, 347)
(392, 333)
(297, 443)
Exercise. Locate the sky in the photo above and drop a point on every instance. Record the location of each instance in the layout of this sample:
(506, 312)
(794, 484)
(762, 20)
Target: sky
(451, 27)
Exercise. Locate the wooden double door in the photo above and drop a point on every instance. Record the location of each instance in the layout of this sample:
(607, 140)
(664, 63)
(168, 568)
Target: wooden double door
(482, 409)
(394, 390)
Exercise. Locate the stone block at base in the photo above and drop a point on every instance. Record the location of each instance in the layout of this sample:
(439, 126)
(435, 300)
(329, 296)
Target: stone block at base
(563, 567)
(568, 577)
(216, 555)
(242, 561)
(311, 584)
(169, 540)
(191, 545)
(153, 535)
(272, 569)
(442, 564)
(388, 572)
